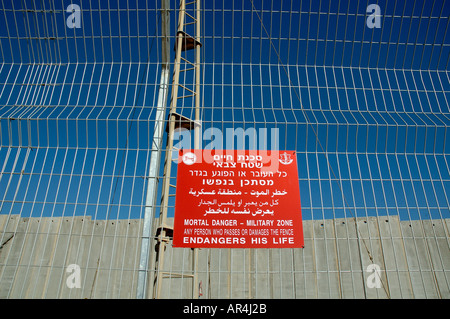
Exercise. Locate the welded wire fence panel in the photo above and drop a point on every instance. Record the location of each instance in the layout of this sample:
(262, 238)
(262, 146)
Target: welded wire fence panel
(79, 82)
(359, 90)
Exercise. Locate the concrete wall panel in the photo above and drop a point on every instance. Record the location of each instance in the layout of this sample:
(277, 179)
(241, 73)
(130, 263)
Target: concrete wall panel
(413, 257)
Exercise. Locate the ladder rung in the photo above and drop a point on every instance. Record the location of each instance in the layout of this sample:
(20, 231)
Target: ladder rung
(188, 69)
(189, 23)
(185, 96)
(191, 16)
(186, 88)
(187, 61)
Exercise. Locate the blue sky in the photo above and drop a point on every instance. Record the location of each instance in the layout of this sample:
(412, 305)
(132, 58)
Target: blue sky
(303, 32)
(378, 100)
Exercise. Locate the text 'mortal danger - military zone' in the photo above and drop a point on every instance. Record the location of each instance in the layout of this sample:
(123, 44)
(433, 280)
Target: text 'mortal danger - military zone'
(237, 199)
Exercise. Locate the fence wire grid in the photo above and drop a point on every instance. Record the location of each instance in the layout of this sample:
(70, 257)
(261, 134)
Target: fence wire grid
(359, 89)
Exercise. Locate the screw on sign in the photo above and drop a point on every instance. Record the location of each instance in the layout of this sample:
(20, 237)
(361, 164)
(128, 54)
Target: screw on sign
(237, 199)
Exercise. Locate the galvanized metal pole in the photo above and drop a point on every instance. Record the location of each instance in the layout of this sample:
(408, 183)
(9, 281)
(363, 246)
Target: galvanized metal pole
(155, 157)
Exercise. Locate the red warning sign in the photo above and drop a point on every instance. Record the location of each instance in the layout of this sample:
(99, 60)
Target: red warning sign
(237, 199)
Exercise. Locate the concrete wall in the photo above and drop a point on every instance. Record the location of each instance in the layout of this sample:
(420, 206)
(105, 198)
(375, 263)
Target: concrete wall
(33, 263)
(414, 258)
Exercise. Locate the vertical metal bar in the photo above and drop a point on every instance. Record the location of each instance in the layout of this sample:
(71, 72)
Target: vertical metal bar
(152, 185)
(155, 159)
(197, 78)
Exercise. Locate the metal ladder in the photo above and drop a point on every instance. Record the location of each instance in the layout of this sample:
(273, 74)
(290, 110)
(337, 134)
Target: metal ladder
(188, 24)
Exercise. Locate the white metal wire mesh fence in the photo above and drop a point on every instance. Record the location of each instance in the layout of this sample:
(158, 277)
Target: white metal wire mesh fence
(362, 96)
